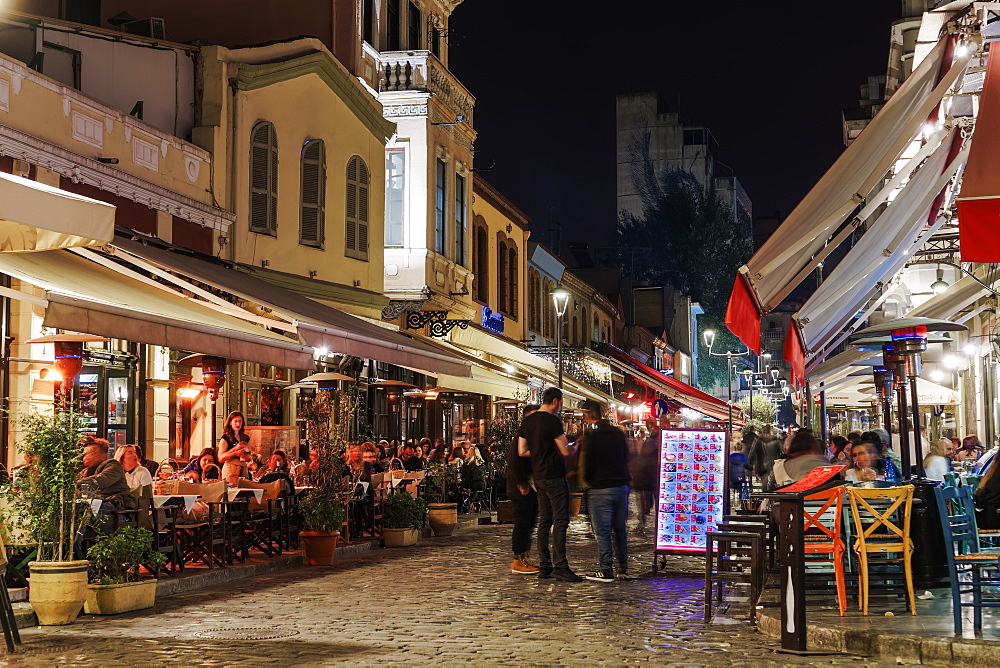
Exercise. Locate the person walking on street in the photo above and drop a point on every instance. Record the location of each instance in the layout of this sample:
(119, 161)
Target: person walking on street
(642, 472)
(542, 437)
(604, 454)
(525, 501)
(761, 454)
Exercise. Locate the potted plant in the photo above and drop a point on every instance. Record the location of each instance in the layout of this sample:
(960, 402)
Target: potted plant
(114, 560)
(500, 433)
(323, 507)
(443, 516)
(43, 508)
(402, 518)
(323, 515)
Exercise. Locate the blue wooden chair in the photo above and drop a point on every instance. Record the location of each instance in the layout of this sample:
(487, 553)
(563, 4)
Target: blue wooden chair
(969, 570)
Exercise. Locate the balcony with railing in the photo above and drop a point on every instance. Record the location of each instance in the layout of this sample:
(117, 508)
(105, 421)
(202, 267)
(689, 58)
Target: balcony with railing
(421, 71)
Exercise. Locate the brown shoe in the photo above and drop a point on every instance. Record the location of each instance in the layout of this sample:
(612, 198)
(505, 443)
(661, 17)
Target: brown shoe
(521, 565)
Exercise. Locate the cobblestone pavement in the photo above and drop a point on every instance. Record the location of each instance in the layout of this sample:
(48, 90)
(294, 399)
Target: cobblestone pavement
(447, 600)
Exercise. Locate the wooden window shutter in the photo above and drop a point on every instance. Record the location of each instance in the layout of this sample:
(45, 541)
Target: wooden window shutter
(356, 220)
(512, 268)
(312, 218)
(263, 179)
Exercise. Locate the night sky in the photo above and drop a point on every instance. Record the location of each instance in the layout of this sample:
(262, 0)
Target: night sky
(768, 78)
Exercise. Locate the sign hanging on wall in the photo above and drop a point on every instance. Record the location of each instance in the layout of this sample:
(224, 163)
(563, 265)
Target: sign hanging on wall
(492, 321)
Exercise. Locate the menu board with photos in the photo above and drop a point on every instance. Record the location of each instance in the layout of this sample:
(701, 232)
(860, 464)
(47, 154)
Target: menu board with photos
(691, 487)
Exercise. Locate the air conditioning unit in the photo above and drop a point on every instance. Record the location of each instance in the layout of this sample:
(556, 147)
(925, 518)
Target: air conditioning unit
(151, 27)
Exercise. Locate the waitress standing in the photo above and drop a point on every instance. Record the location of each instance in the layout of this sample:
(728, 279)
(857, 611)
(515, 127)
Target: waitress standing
(234, 449)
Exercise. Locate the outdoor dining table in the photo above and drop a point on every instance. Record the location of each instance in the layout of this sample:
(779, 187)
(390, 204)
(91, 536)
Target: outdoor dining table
(188, 500)
(236, 492)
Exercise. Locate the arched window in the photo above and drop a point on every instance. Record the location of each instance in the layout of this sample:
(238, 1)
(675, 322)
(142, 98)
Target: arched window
(481, 261)
(573, 332)
(582, 341)
(356, 218)
(534, 302)
(503, 274)
(264, 179)
(512, 271)
(548, 311)
(597, 328)
(312, 219)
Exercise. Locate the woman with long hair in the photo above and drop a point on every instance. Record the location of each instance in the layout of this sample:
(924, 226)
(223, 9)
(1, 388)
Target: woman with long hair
(938, 460)
(838, 451)
(136, 475)
(234, 448)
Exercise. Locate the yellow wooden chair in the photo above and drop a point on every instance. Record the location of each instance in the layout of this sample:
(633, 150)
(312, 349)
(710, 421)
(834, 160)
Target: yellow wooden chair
(879, 534)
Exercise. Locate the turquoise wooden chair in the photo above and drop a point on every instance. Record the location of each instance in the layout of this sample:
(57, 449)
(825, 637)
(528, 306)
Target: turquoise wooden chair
(969, 570)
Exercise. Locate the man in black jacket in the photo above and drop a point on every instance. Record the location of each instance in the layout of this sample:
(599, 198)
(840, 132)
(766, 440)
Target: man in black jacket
(525, 501)
(604, 455)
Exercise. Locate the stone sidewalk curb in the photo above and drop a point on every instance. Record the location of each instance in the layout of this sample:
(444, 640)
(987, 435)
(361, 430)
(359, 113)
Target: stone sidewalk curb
(908, 648)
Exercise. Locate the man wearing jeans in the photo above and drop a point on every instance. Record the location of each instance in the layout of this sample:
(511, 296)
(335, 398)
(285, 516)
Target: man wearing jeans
(604, 453)
(541, 436)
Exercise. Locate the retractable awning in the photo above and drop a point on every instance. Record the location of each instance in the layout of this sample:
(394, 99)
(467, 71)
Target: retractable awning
(319, 325)
(798, 244)
(84, 296)
(37, 217)
(892, 239)
(680, 392)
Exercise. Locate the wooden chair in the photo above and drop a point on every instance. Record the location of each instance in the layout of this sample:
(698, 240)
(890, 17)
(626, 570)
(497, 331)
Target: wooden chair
(207, 539)
(163, 524)
(824, 542)
(878, 534)
(969, 570)
(732, 556)
(265, 526)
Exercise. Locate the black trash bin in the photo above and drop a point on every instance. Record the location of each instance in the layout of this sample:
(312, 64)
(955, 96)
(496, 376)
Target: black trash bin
(930, 563)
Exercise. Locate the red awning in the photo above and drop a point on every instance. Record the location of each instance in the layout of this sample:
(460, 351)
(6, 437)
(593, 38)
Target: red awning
(795, 354)
(680, 392)
(979, 200)
(743, 313)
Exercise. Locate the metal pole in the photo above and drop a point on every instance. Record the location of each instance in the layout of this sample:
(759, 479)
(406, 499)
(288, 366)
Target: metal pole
(729, 436)
(904, 439)
(559, 337)
(887, 417)
(822, 416)
(917, 449)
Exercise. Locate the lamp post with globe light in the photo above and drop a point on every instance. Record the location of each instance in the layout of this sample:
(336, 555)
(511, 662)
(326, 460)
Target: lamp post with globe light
(709, 336)
(560, 298)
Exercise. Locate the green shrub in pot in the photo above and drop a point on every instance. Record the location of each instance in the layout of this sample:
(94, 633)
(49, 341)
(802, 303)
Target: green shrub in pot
(402, 511)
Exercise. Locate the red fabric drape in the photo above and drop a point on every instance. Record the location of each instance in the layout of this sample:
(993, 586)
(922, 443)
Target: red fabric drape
(979, 200)
(795, 354)
(743, 314)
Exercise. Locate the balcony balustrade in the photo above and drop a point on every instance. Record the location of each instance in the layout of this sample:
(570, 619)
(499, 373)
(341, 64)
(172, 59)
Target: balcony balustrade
(421, 71)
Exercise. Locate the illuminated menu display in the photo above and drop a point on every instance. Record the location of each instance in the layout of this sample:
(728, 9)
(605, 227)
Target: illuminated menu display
(689, 498)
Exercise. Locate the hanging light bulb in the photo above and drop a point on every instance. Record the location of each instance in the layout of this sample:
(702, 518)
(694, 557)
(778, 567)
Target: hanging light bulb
(939, 286)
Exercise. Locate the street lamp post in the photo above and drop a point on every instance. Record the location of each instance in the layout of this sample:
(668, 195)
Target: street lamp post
(709, 336)
(560, 298)
(751, 377)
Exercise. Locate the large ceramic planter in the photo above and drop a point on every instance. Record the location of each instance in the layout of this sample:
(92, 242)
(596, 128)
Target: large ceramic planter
(320, 546)
(117, 598)
(505, 512)
(57, 590)
(400, 537)
(575, 501)
(443, 518)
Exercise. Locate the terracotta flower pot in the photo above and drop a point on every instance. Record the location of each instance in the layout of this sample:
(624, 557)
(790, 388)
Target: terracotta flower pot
(443, 518)
(575, 501)
(113, 599)
(320, 546)
(57, 590)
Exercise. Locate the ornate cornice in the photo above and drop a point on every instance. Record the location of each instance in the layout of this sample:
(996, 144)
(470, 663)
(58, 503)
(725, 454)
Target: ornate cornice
(364, 107)
(80, 169)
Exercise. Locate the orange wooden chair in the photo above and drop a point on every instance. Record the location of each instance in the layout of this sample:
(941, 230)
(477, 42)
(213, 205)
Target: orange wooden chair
(825, 543)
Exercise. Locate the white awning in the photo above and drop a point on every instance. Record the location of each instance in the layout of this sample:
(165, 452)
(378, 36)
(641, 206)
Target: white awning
(850, 179)
(881, 252)
(84, 296)
(319, 325)
(37, 217)
(485, 382)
